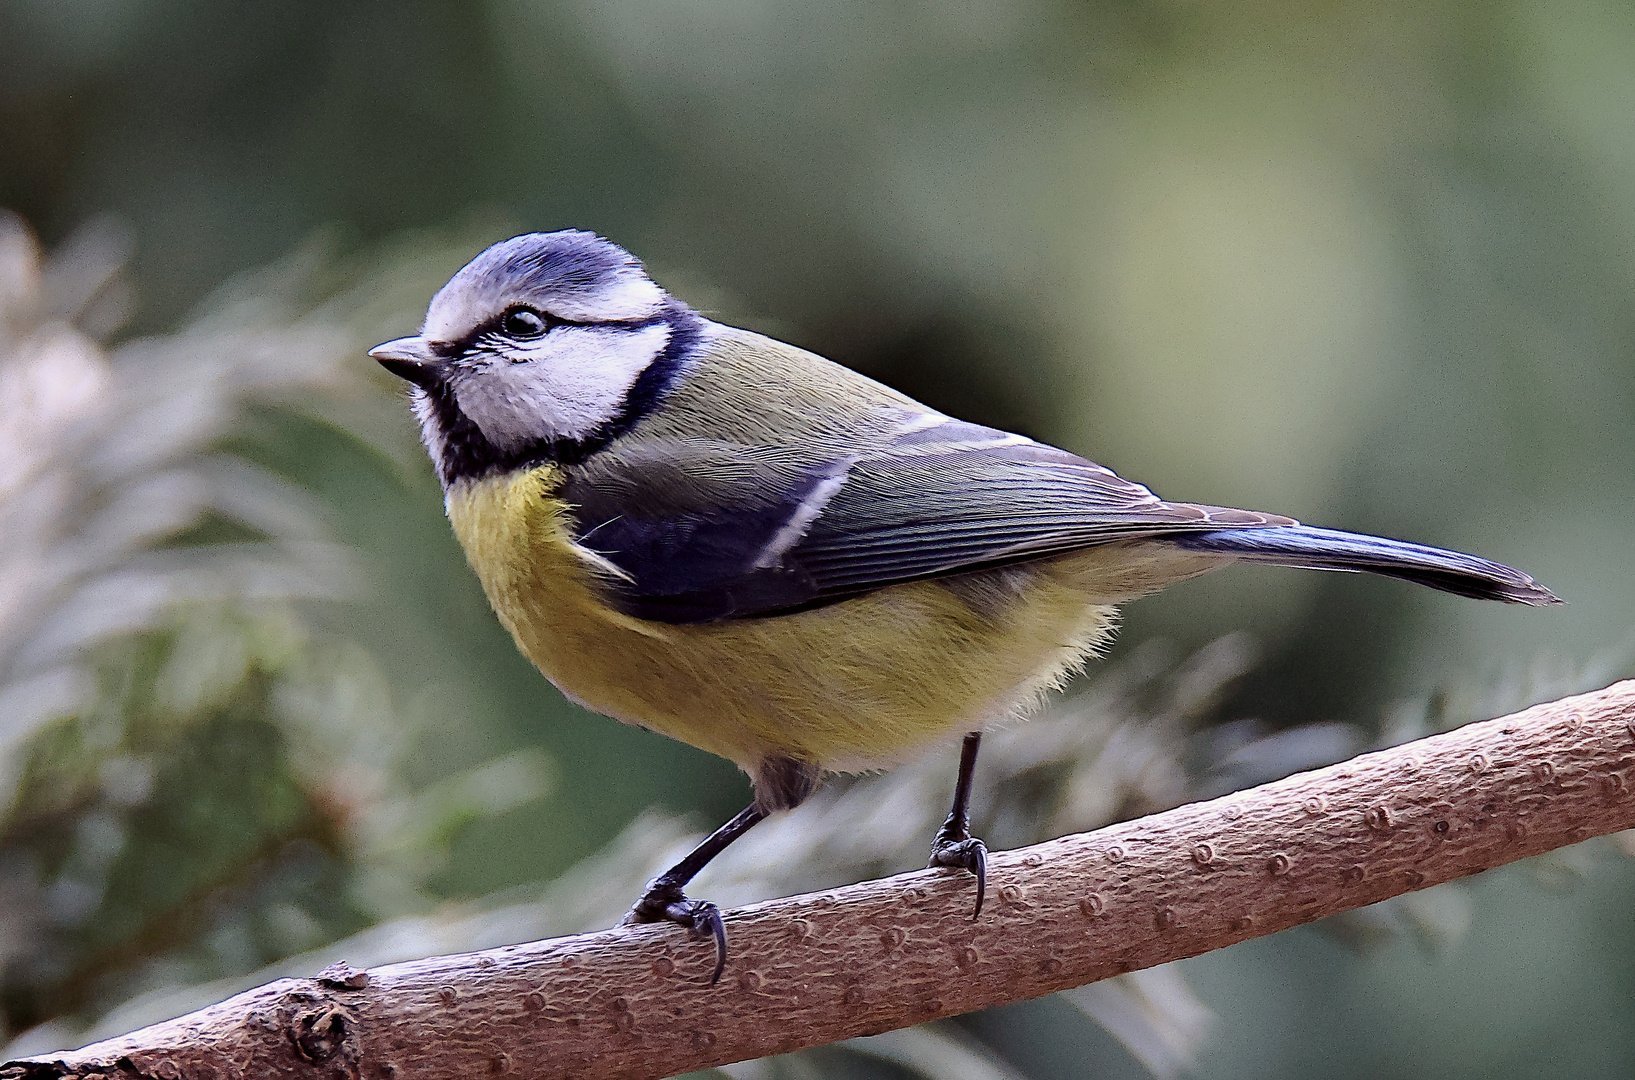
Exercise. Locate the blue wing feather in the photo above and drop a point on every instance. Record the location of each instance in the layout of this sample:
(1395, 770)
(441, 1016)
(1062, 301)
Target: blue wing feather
(709, 530)
(1330, 549)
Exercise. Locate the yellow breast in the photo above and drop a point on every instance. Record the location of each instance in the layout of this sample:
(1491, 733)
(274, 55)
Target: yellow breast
(858, 684)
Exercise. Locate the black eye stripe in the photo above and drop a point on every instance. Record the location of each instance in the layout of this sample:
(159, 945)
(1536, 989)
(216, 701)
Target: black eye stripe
(490, 333)
(494, 328)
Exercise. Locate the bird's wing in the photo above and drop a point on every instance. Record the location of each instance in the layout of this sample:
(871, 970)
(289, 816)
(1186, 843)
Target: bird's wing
(707, 530)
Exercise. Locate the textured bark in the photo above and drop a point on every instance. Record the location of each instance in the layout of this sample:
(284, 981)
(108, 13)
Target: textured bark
(636, 1001)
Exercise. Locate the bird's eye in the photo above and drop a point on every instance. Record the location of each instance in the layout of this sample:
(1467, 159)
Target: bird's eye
(521, 322)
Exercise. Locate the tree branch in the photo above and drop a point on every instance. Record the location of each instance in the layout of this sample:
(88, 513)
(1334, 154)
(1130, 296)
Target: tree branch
(636, 1001)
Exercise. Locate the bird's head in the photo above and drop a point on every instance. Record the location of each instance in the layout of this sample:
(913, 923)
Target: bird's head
(542, 348)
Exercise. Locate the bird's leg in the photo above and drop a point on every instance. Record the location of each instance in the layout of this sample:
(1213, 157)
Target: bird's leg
(954, 845)
(664, 901)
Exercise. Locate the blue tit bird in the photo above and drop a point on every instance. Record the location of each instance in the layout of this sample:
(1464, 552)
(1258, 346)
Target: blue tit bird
(727, 539)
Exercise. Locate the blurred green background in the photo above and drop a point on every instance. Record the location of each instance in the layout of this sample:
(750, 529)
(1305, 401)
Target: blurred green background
(1368, 264)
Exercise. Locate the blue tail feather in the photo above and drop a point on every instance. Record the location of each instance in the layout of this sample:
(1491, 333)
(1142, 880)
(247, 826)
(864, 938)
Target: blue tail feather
(1330, 549)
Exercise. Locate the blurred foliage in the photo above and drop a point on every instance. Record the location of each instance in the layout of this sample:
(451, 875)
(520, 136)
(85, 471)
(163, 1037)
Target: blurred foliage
(200, 776)
(1366, 263)
(131, 846)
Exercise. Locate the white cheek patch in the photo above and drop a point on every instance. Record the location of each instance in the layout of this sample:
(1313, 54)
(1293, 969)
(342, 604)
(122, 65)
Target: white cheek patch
(573, 381)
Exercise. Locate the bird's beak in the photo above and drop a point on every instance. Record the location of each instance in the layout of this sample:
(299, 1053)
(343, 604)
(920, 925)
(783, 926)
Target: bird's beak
(408, 358)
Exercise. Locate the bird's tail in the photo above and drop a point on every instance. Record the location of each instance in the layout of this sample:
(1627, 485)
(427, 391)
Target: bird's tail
(1329, 549)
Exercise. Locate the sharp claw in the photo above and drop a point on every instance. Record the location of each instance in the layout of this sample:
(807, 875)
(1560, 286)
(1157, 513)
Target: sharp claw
(970, 854)
(699, 917)
(712, 914)
(979, 856)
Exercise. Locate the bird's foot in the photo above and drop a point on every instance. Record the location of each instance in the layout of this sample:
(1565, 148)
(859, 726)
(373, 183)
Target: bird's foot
(663, 902)
(962, 850)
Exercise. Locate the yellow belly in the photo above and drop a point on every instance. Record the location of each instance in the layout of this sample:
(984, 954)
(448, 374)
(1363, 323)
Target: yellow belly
(860, 684)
